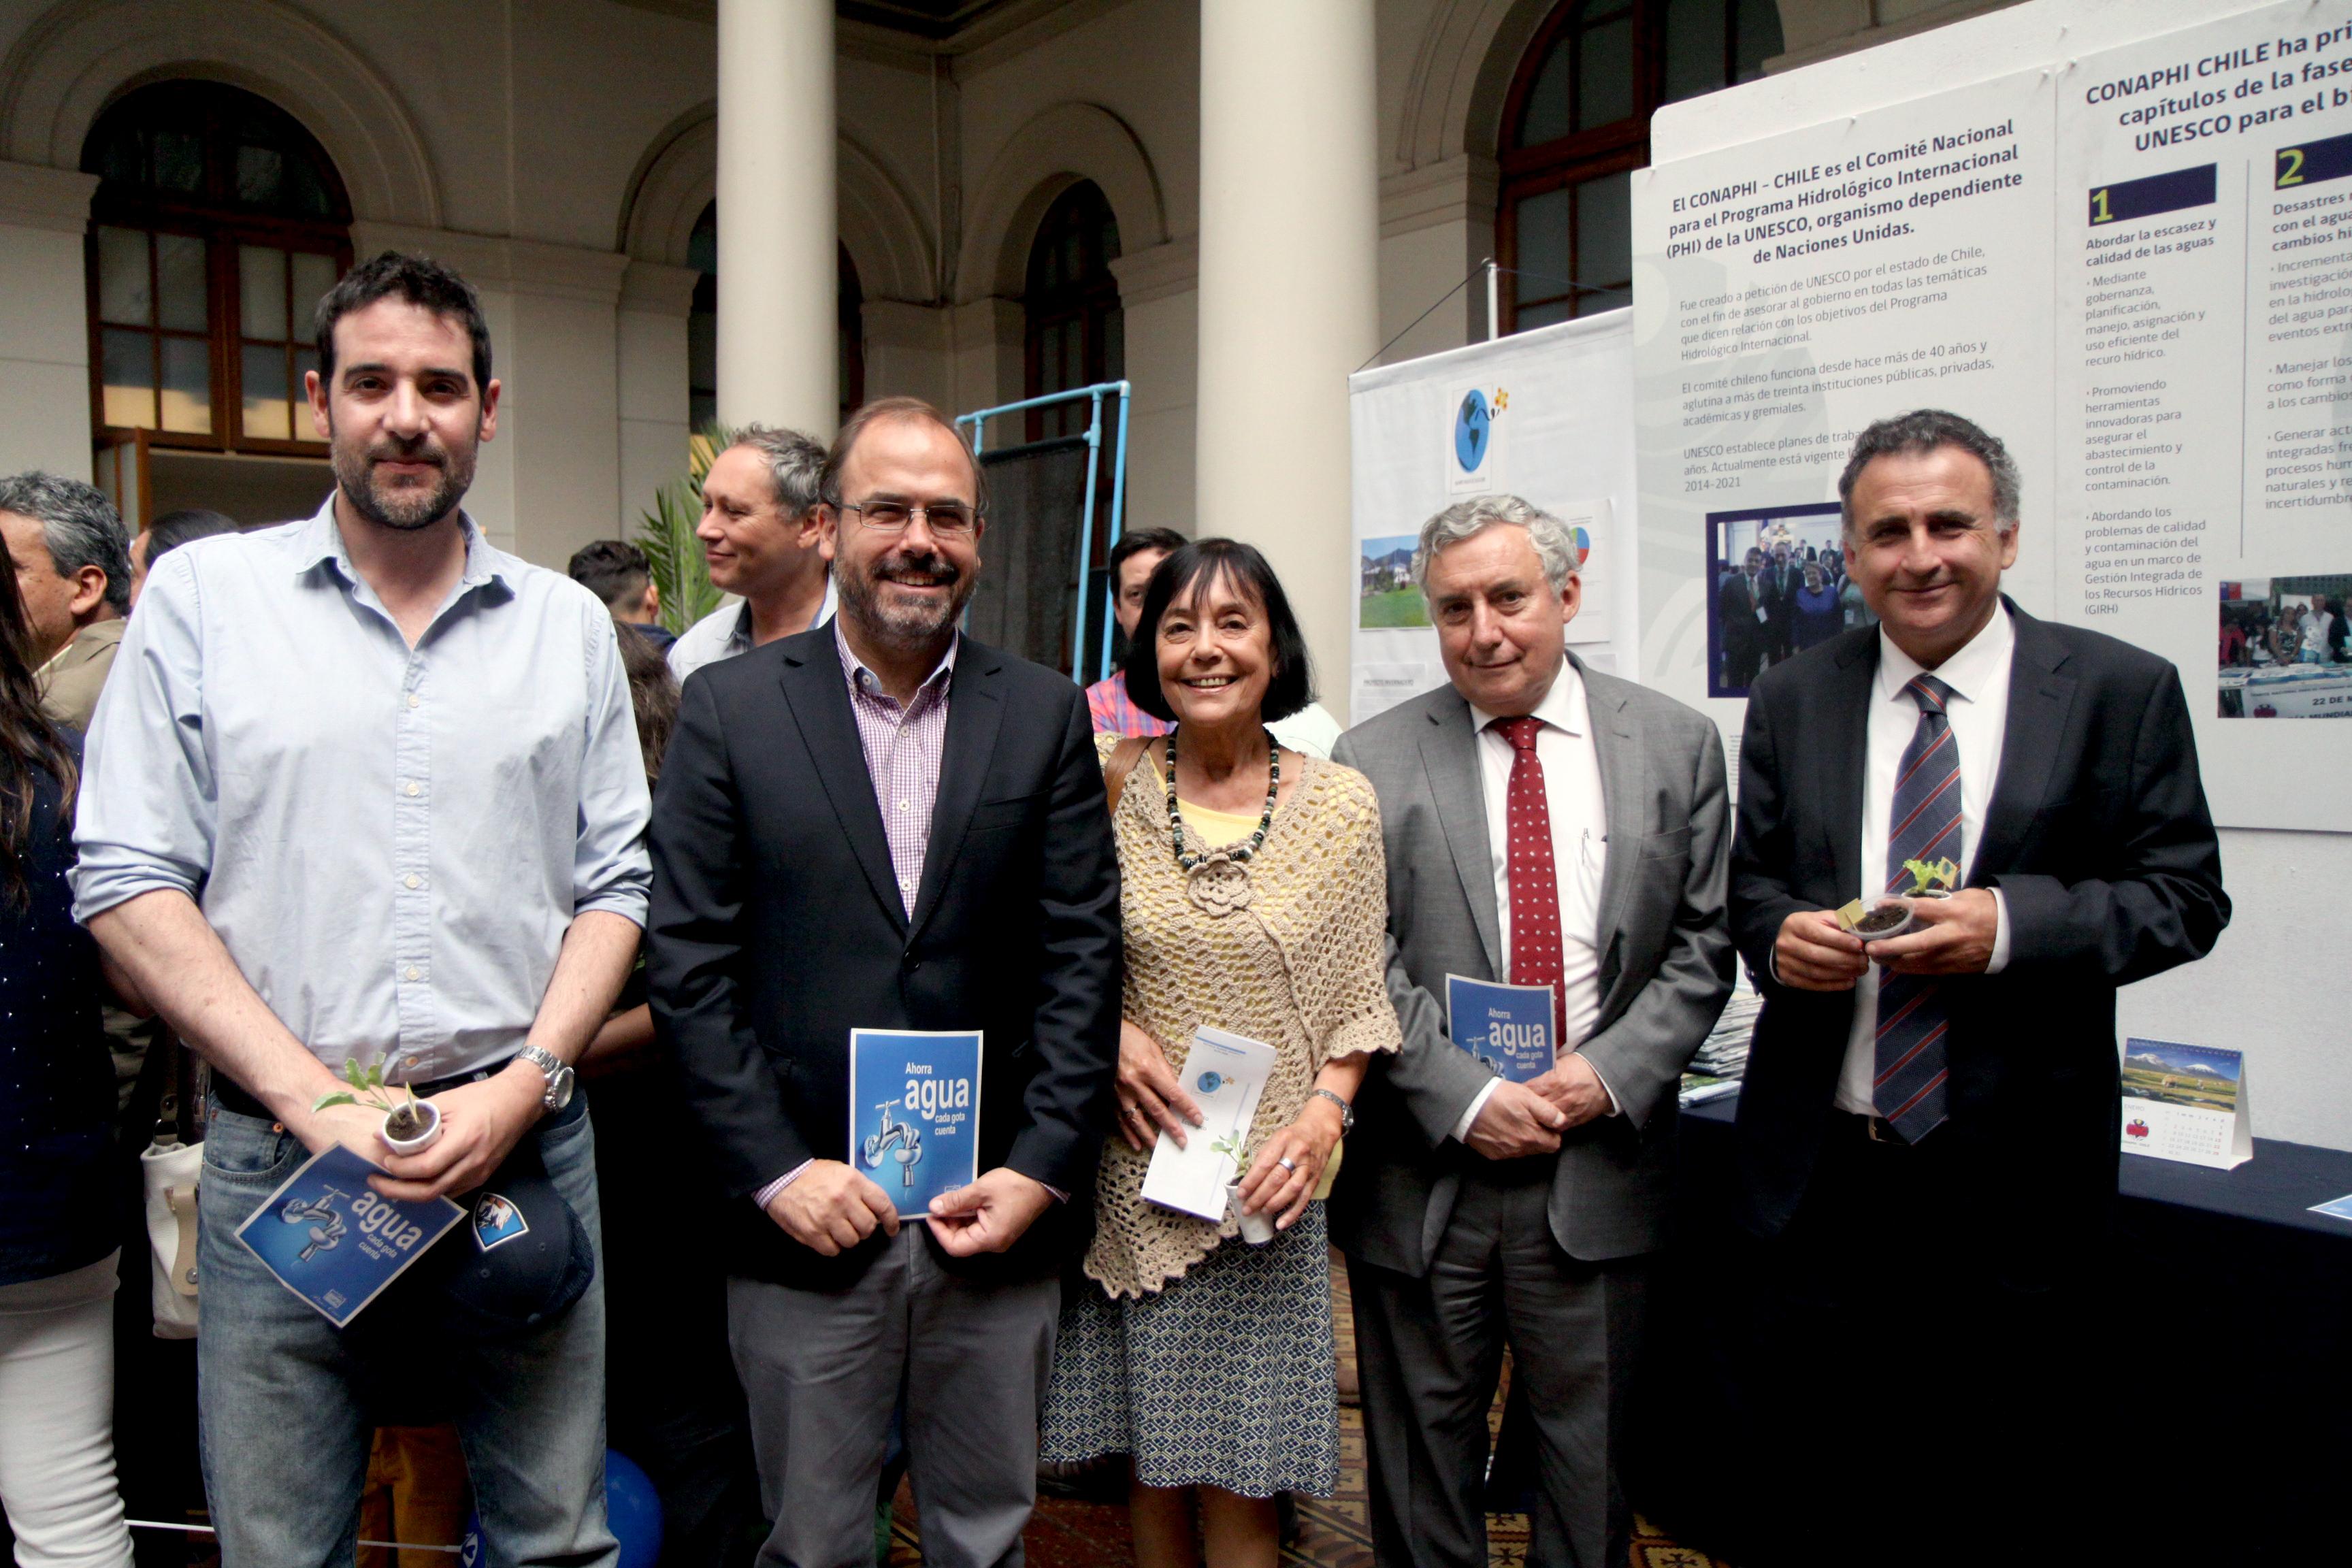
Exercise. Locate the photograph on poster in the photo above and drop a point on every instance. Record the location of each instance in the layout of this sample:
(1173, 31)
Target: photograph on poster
(1389, 597)
(1781, 586)
(2285, 648)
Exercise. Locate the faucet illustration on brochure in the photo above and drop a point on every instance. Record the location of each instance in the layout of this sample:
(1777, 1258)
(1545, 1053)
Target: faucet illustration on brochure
(899, 1138)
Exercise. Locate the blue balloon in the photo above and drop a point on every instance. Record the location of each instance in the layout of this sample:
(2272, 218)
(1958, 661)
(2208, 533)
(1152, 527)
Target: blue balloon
(633, 1511)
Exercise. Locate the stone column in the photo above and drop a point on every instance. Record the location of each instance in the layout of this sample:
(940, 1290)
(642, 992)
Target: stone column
(43, 320)
(1288, 294)
(778, 270)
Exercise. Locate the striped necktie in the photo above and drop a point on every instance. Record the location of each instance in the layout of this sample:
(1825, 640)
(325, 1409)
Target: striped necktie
(1909, 1077)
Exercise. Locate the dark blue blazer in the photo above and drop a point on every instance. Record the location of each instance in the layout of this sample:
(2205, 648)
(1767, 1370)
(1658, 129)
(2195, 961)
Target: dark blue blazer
(777, 928)
(2097, 835)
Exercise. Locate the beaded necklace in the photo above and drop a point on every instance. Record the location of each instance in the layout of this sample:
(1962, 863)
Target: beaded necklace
(1189, 862)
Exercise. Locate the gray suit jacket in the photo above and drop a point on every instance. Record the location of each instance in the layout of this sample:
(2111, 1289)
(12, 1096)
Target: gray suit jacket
(1665, 970)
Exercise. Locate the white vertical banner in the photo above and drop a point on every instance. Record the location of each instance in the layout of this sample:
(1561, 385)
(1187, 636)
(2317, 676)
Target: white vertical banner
(1547, 415)
(2204, 278)
(1787, 293)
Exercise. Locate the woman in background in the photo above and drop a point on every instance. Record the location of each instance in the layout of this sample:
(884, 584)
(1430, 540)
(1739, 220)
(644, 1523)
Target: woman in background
(1819, 616)
(670, 1393)
(59, 1225)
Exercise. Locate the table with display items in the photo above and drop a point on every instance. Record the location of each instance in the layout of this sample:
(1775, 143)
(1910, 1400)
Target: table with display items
(2228, 1312)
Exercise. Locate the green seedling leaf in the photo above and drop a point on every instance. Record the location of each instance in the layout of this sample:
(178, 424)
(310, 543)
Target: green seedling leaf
(324, 1101)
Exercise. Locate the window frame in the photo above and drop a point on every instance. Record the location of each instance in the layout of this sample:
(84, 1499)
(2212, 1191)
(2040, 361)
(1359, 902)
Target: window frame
(224, 228)
(1088, 303)
(1579, 156)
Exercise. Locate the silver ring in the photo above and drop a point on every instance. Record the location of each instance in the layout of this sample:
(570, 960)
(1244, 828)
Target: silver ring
(1290, 1165)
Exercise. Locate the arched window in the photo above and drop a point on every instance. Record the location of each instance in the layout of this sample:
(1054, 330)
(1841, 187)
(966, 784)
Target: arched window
(702, 327)
(218, 224)
(1577, 124)
(1077, 333)
(702, 324)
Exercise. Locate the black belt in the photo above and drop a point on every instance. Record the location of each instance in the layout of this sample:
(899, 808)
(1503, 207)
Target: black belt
(232, 1095)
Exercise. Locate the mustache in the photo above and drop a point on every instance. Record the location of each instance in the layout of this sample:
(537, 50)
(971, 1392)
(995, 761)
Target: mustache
(424, 450)
(927, 569)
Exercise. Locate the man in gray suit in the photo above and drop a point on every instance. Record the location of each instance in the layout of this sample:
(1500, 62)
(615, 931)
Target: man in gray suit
(1545, 824)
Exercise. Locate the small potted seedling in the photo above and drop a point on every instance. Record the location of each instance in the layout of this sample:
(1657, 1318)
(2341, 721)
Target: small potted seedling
(1257, 1229)
(1890, 916)
(410, 1124)
(1932, 878)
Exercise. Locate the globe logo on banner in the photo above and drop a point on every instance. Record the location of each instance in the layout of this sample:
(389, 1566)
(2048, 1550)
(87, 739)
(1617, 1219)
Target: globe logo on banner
(1474, 430)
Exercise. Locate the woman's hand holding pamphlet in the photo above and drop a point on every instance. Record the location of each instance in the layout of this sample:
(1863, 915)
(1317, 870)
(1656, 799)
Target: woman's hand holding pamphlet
(1224, 1073)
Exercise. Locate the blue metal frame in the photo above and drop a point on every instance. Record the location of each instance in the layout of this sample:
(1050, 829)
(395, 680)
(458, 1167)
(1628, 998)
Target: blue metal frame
(978, 420)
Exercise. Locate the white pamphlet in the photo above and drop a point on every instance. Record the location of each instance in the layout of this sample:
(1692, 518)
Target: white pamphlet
(2186, 1103)
(1224, 1073)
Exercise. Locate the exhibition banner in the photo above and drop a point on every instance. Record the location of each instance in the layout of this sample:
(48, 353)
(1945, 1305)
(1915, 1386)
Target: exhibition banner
(2135, 268)
(1541, 414)
(2204, 370)
(1790, 292)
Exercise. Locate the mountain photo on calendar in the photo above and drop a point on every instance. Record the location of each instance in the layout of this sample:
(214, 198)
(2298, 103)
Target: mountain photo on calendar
(2198, 1076)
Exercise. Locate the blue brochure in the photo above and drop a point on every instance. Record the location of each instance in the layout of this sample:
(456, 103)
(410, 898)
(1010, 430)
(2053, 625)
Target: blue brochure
(332, 1240)
(914, 1113)
(1508, 1026)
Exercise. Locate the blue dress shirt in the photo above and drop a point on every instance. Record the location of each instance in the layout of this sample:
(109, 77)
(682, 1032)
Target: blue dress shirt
(391, 842)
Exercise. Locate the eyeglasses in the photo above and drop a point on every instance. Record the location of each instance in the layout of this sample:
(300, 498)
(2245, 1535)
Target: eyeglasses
(950, 518)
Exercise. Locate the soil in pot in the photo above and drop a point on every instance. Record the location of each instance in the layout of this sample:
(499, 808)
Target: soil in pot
(1883, 920)
(404, 1123)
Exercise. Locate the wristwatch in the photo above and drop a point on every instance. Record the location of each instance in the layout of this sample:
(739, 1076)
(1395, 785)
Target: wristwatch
(559, 1076)
(1346, 1111)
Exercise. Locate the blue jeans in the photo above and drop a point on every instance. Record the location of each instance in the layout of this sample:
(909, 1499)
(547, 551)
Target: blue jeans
(279, 1390)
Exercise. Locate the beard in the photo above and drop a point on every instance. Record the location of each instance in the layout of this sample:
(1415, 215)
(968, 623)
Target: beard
(884, 615)
(406, 508)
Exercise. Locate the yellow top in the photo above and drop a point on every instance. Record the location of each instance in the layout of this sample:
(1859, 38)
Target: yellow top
(1216, 829)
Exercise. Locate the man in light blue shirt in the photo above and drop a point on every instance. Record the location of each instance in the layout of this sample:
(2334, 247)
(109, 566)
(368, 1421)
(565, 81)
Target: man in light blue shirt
(368, 789)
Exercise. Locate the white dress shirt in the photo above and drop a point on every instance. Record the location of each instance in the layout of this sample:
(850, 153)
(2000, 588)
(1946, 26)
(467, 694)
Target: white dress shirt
(726, 633)
(1977, 710)
(1580, 837)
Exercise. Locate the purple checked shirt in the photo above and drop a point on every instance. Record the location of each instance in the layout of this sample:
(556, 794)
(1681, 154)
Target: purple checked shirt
(904, 746)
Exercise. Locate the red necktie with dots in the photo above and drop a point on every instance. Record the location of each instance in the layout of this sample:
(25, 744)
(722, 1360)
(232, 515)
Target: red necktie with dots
(1535, 880)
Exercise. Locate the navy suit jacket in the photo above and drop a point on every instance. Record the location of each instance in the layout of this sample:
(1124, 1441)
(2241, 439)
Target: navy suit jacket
(777, 928)
(2097, 835)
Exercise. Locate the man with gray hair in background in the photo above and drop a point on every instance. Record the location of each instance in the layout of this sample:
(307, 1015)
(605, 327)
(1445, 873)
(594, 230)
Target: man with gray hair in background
(760, 535)
(1545, 826)
(73, 569)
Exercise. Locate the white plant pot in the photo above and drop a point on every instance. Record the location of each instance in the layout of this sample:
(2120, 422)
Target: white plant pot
(1910, 921)
(1257, 1229)
(428, 1113)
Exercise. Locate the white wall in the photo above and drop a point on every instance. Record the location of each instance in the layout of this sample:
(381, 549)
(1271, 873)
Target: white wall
(2273, 987)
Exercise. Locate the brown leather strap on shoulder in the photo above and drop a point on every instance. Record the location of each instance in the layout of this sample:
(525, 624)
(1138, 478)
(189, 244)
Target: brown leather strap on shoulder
(1123, 758)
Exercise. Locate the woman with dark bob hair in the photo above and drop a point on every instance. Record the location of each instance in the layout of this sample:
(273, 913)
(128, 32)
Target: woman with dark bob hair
(1254, 897)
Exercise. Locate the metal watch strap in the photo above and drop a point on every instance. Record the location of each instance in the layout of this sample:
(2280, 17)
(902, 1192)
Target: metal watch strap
(1346, 1111)
(551, 1066)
